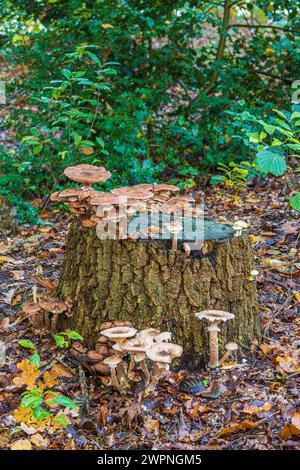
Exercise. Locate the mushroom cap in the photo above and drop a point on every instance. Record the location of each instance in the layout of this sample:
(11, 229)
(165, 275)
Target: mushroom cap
(231, 346)
(112, 361)
(164, 352)
(53, 305)
(118, 333)
(133, 192)
(133, 345)
(215, 315)
(31, 307)
(240, 224)
(87, 174)
(147, 333)
(165, 187)
(162, 337)
(174, 227)
(70, 192)
(55, 197)
(106, 199)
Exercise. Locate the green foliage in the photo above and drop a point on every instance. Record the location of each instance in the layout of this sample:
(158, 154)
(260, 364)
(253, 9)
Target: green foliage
(35, 358)
(61, 341)
(278, 145)
(151, 90)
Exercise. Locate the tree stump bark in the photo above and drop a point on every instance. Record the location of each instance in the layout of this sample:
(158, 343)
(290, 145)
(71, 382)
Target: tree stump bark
(152, 286)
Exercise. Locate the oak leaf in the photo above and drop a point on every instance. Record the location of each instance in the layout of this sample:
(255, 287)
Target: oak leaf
(28, 375)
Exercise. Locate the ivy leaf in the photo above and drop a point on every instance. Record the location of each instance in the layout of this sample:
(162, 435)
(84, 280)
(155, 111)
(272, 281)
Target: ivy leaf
(295, 201)
(269, 161)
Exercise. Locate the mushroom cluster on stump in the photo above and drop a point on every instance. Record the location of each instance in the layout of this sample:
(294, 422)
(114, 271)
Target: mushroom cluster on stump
(145, 279)
(91, 206)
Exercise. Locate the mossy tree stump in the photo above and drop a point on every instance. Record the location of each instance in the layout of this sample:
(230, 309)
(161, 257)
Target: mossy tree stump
(144, 281)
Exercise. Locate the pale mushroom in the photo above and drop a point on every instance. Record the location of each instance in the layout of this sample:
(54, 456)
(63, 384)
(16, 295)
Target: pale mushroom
(165, 188)
(161, 354)
(215, 317)
(118, 334)
(239, 226)
(136, 349)
(87, 174)
(174, 227)
(231, 350)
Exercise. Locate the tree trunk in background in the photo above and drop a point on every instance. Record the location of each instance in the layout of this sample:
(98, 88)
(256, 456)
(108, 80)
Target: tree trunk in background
(150, 285)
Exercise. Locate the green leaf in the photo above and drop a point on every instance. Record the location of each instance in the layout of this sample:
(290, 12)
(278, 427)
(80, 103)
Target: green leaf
(31, 401)
(64, 401)
(295, 201)
(74, 335)
(62, 420)
(35, 359)
(60, 341)
(216, 179)
(281, 114)
(269, 161)
(40, 413)
(26, 343)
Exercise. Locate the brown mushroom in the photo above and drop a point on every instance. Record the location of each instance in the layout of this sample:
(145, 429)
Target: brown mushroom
(35, 314)
(87, 174)
(215, 317)
(56, 307)
(161, 354)
(165, 188)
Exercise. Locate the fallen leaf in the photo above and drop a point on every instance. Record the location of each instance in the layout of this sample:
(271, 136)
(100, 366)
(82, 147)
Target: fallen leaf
(28, 374)
(253, 409)
(39, 441)
(47, 283)
(21, 444)
(234, 427)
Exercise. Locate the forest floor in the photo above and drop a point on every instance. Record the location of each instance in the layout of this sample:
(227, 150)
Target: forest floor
(254, 405)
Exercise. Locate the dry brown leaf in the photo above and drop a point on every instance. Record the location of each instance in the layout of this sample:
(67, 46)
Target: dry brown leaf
(234, 427)
(28, 374)
(288, 364)
(252, 409)
(61, 370)
(49, 380)
(152, 425)
(47, 283)
(39, 441)
(86, 150)
(21, 444)
(4, 323)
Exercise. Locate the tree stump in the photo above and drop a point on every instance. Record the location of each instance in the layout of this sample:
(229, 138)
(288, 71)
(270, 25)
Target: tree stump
(146, 282)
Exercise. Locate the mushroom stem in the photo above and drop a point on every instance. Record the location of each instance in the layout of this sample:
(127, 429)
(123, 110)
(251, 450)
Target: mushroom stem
(174, 242)
(145, 371)
(114, 379)
(213, 345)
(131, 363)
(54, 321)
(121, 375)
(34, 293)
(156, 375)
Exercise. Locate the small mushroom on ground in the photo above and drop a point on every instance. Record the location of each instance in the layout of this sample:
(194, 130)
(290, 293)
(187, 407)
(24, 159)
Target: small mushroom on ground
(35, 314)
(161, 354)
(56, 307)
(112, 362)
(239, 226)
(215, 317)
(174, 227)
(187, 249)
(231, 350)
(87, 174)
